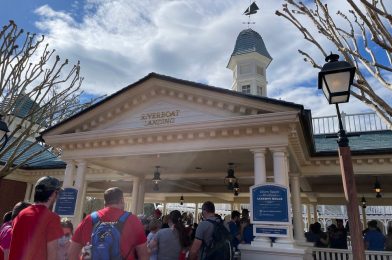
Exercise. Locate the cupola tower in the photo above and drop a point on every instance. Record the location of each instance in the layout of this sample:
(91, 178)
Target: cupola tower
(249, 62)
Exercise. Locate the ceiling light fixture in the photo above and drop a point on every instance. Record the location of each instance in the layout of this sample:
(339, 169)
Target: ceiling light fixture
(236, 188)
(157, 179)
(230, 179)
(363, 202)
(377, 188)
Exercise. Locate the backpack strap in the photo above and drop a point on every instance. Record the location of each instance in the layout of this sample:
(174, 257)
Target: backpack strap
(124, 217)
(120, 224)
(214, 223)
(95, 217)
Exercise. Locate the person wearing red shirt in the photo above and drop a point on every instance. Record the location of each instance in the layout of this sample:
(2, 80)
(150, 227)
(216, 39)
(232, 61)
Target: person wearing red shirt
(133, 239)
(36, 229)
(6, 230)
(1, 254)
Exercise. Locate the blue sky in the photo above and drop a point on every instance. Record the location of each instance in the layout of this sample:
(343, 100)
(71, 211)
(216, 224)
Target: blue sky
(121, 41)
(22, 11)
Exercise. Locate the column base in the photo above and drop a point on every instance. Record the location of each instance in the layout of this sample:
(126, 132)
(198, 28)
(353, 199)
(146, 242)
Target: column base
(283, 243)
(303, 243)
(251, 252)
(261, 242)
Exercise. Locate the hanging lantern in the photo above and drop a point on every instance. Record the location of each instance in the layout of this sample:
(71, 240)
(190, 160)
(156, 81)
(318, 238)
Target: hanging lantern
(363, 202)
(377, 188)
(236, 188)
(157, 176)
(230, 179)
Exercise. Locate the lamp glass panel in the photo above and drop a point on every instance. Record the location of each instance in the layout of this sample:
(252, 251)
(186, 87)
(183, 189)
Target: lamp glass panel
(325, 89)
(339, 99)
(338, 82)
(3, 127)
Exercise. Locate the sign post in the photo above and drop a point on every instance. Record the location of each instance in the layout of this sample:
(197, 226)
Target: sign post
(270, 211)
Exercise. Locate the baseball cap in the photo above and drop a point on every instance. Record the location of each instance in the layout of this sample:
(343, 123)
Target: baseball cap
(48, 183)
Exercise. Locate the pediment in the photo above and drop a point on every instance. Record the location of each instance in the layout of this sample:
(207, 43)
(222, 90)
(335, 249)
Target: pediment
(158, 102)
(163, 111)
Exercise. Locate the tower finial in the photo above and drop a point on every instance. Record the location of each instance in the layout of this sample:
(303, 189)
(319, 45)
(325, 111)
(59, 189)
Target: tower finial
(252, 9)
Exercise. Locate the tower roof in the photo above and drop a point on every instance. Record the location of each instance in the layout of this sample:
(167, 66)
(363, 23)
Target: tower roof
(250, 41)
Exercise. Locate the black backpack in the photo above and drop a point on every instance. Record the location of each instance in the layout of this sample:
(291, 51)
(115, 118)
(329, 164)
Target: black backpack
(220, 246)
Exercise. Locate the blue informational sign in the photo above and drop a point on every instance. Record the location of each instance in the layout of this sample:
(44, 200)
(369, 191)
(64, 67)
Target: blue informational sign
(66, 202)
(269, 204)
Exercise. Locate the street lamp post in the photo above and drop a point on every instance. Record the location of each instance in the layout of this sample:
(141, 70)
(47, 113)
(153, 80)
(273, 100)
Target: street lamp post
(335, 79)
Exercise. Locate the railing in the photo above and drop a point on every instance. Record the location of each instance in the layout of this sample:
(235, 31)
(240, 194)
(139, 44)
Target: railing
(342, 254)
(363, 122)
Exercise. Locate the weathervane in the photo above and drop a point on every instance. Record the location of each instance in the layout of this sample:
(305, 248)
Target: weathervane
(252, 9)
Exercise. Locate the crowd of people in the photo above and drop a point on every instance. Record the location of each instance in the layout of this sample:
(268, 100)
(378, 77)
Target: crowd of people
(34, 231)
(337, 236)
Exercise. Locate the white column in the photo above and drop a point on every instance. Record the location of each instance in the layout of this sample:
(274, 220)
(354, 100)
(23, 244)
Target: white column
(32, 193)
(135, 194)
(164, 209)
(315, 213)
(69, 174)
(29, 187)
(309, 216)
(281, 176)
(196, 213)
(297, 212)
(140, 203)
(80, 185)
(127, 202)
(260, 174)
(259, 166)
(364, 218)
(82, 202)
(280, 166)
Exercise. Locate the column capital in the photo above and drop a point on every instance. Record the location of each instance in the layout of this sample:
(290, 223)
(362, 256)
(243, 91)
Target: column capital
(294, 175)
(80, 162)
(282, 149)
(258, 150)
(69, 162)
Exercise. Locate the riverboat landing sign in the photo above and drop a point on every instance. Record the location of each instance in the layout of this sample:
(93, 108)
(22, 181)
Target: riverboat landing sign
(270, 210)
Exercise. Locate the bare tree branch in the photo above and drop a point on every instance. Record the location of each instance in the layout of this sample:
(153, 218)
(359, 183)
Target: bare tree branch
(37, 90)
(368, 28)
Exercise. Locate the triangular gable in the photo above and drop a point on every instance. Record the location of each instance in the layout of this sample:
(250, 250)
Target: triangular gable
(158, 100)
(165, 111)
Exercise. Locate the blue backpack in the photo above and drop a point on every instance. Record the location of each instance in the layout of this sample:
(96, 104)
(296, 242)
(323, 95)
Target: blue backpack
(106, 236)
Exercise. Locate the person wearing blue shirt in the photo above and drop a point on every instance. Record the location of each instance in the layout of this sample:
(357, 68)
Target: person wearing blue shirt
(247, 233)
(374, 239)
(234, 230)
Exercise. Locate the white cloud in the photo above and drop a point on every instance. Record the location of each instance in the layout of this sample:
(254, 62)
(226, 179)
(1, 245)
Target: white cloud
(121, 41)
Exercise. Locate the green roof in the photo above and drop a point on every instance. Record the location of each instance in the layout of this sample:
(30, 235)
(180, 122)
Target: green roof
(365, 142)
(250, 41)
(45, 160)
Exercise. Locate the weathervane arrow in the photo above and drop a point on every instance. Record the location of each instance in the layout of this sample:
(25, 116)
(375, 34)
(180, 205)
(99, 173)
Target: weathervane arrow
(252, 9)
